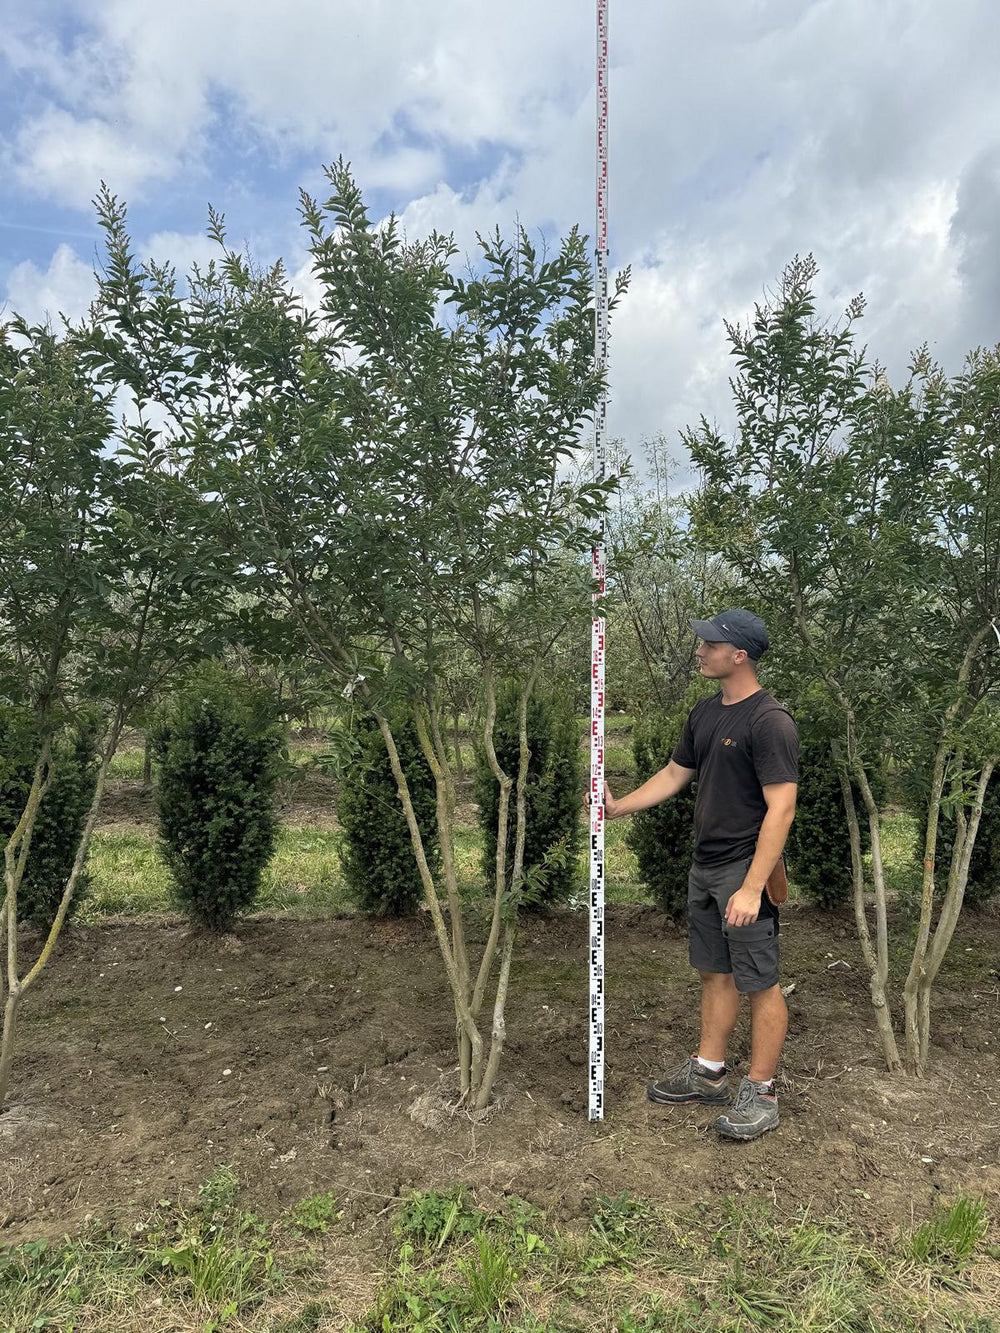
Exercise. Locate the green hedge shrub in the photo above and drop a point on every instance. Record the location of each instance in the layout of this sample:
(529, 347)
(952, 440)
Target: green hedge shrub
(219, 751)
(983, 883)
(376, 853)
(662, 838)
(61, 815)
(18, 750)
(553, 828)
(984, 870)
(819, 844)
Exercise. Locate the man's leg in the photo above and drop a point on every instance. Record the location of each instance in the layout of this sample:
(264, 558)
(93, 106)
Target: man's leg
(754, 952)
(720, 1007)
(691, 1081)
(768, 1026)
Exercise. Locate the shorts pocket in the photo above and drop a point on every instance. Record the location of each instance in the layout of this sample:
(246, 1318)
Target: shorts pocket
(761, 929)
(753, 951)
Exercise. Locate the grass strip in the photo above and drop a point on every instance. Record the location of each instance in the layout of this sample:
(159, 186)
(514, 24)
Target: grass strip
(460, 1267)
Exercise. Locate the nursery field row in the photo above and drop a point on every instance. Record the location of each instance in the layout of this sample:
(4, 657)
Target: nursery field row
(128, 761)
(304, 877)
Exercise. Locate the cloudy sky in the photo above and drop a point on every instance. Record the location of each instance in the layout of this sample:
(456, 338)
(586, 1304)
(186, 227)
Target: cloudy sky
(743, 131)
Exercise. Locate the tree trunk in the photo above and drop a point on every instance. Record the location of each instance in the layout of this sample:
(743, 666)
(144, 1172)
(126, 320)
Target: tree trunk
(17, 986)
(459, 763)
(147, 764)
(7, 1042)
(951, 909)
(879, 991)
(15, 860)
(915, 976)
(437, 760)
(436, 755)
(499, 1031)
(878, 976)
(465, 1017)
(500, 865)
(916, 991)
(877, 959)
(15, 853)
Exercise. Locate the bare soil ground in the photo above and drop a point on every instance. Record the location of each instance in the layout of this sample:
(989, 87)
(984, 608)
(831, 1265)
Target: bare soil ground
(295, 1052)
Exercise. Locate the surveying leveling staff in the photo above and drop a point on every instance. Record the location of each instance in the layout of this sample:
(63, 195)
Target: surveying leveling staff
(742, 746)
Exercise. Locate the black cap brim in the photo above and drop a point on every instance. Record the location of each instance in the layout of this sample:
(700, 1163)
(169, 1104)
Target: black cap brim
(706, 630)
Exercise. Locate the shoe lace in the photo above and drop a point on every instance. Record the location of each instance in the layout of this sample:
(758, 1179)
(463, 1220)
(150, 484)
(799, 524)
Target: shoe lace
(683, 1070)
(746, 1096)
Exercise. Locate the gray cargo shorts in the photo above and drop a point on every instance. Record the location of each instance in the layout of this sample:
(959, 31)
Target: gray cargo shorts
(750, 953)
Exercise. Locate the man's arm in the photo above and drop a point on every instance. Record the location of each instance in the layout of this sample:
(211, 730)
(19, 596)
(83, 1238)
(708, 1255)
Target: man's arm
(744, 905)
(668, 782)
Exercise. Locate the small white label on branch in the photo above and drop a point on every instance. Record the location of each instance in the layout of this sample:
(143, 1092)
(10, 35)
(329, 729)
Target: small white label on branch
(352, 685)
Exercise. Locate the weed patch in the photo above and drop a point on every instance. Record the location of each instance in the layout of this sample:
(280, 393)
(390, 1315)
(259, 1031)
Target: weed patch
(431, 1218)
(314, 1216)
(212, 1256)
(948, 1241)
(637, 1270)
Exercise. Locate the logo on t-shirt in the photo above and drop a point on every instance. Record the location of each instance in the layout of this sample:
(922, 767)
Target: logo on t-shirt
(728, 740)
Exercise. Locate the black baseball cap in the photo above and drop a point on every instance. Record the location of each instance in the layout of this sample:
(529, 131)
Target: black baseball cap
(740, 628)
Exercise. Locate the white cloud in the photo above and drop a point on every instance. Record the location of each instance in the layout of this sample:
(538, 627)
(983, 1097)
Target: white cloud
(64, 159)
(661, 324)
(307, 285)
(974, 231)
(182, 249)
(66, 287)
(405, 170)
(360, 78)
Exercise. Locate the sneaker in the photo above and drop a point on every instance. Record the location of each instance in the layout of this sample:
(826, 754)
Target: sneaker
(690, 1082)
(752, 1113)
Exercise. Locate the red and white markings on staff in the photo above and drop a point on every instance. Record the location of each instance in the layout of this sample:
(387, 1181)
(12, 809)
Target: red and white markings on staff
(597, 636)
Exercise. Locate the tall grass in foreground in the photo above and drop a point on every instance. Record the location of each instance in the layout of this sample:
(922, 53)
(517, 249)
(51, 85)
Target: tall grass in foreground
(210, 1264)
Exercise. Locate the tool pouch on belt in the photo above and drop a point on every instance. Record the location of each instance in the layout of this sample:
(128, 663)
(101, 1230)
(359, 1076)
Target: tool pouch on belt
(776, 887)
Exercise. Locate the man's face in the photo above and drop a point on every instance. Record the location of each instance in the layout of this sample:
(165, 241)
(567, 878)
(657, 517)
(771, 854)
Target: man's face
(718, 660)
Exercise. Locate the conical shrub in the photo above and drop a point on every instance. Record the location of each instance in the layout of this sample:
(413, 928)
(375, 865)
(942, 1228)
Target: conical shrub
(553, 830)
(376, 851)
(219, 750)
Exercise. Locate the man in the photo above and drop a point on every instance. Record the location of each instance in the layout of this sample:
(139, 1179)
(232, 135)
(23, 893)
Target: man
(742, 746)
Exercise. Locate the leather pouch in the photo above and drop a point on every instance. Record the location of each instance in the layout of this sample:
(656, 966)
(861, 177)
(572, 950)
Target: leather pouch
(776, 887)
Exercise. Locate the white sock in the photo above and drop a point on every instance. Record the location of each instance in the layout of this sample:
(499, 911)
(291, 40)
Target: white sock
(716, 1066)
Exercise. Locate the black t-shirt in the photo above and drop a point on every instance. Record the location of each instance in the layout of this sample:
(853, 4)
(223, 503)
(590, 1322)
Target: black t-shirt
(736, 749)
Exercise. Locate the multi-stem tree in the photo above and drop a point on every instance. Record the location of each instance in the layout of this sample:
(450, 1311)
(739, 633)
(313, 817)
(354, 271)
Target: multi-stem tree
(101, 591)
(391, 471)
(863, 523)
